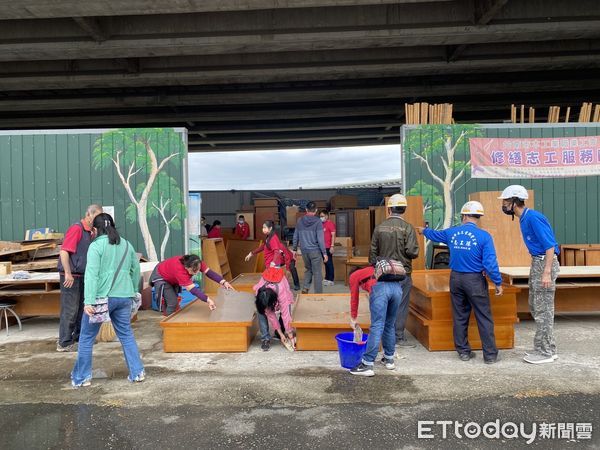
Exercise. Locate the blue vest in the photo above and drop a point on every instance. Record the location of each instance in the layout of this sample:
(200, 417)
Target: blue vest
(78, 260)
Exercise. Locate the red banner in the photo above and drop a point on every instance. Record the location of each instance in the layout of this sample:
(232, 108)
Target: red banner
(535, 157)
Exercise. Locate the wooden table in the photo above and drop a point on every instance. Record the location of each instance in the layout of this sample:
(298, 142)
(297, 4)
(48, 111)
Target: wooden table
(230, 328)
(37, 296)
(430, 313)
(355, 261)
(577, 288)
(580, 255)
(319, 317)
(244, 282)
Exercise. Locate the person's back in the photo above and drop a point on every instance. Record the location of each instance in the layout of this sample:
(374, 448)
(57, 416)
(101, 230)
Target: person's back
(309, 236)
(395, 239)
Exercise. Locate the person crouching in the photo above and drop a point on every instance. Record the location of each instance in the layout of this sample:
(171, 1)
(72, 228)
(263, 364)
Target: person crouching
(273, 295)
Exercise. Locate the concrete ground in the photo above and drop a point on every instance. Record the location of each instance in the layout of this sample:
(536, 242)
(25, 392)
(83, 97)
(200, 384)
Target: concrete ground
(290, 400)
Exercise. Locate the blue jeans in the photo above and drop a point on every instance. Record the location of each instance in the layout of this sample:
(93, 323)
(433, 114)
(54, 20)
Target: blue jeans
(263, 325)
(120, 315)
(384, 301)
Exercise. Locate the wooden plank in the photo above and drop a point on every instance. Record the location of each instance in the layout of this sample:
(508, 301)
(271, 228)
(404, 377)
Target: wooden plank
(565, 272)
(510, 249)
(38, 304)
(36, 265)
(214, 255)
(414, 216)
(236, 254)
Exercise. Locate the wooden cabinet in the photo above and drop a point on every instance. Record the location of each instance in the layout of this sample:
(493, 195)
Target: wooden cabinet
(263, 213)
(430, 313)
(344, 223)
(215, 256)
(362, 227)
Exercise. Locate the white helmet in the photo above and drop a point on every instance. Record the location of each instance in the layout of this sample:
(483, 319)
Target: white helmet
(515, 190)
(396, 200)
(472, 208)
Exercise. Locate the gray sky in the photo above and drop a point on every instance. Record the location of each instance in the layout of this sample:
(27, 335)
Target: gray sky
(291, 169)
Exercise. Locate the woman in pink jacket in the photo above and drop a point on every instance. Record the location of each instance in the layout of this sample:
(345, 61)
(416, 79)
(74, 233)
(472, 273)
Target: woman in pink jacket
(273, 294)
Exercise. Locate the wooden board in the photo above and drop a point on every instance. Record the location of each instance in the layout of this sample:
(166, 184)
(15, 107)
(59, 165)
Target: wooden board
(262, 214)
(236, 254)
(414, 216)
(520, 274)
(230, 328)
(510, 249)
(215, 256)
(38, 304)
(244, 282)
(362, 227)
(580, 255)
(430, 314)
(319, 317)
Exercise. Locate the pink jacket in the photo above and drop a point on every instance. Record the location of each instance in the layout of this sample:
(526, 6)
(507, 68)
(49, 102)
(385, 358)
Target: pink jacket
(285, 300)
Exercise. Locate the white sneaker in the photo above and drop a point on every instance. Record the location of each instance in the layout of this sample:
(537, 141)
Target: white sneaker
(535, 352)
(538, 358)
(388, 363)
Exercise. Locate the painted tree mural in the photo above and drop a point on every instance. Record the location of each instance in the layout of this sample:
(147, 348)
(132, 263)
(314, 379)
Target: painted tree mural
(443, 151)
(140, 158)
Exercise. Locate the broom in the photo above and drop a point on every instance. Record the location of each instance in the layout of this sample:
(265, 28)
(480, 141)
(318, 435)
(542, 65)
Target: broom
(107, 332)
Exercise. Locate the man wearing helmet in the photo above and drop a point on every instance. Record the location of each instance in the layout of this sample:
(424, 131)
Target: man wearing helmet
(542, 246)
(393, 239)
(472, 254)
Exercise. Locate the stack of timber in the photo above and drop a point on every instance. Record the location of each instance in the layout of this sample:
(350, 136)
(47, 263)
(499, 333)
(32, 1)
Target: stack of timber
(31, 255)
(425, 113)
(517, 114)
(585, 114)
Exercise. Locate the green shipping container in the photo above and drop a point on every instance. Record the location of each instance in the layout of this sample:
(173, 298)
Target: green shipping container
(48, 178)
(571, 204)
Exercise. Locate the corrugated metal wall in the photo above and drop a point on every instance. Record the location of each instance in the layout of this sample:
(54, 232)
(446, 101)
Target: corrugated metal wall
(571, 204)
(47, 179)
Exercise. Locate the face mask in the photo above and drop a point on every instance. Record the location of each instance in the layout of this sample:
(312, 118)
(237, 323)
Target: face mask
(323, 219)
(240, 222)
(508, 210)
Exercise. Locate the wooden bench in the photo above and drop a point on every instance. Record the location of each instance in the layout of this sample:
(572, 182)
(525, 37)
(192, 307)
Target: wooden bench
(229, 328)
(430, 313)
(319, 317)
(577, 288)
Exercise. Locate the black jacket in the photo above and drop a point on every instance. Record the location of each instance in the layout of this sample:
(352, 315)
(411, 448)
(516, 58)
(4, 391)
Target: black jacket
(394, 239)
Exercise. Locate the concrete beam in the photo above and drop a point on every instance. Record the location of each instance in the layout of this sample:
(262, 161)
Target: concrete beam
(483, 14)
(286, 73)
(265, 138)
(308, 40)
(91, 25)
(40, 9)
(400, 92)
(295, 145)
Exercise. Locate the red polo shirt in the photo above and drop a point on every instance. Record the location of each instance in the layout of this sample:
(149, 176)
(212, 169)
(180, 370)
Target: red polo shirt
(328, 228)
(242, 230)
(174, 273)
(73, 236)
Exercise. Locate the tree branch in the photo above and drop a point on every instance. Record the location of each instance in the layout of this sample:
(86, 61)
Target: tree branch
(117, 163)
(433, 175)
(166, 160)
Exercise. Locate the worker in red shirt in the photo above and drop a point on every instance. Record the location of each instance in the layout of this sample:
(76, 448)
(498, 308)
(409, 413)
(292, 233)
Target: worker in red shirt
(359, 279)
(170, 275)
(329, 236)
(215, 230)
(273, 244)
(242, 229)
(71, 268)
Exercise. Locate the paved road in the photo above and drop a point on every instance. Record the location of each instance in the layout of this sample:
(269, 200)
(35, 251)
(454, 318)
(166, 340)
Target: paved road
(352, 426)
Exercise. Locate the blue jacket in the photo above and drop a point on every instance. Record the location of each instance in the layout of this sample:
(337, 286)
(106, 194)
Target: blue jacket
(537, 233)
(471, 249)
(309, 235)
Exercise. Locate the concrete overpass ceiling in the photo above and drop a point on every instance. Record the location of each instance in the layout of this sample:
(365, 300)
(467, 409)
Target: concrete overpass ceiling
(251, 74)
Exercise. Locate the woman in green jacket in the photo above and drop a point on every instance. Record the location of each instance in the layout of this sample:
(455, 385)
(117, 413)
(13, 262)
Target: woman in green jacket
(113, 271)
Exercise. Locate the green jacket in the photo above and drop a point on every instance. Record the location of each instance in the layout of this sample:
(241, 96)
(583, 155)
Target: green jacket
(395, 239)
(102, 262)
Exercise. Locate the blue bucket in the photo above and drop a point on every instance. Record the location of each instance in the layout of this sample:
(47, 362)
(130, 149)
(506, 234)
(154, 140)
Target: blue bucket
(350, 352)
